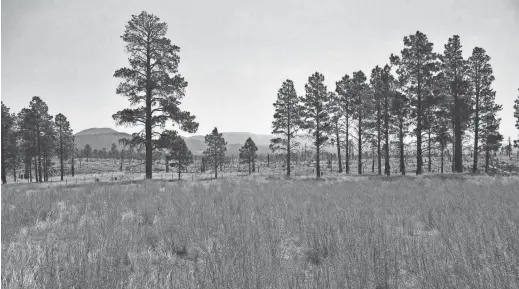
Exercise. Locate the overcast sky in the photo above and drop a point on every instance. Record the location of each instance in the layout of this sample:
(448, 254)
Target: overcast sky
(236, 54)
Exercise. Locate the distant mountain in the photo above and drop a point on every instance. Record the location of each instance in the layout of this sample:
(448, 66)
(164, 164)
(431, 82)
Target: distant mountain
(95, 130)
(99, 138)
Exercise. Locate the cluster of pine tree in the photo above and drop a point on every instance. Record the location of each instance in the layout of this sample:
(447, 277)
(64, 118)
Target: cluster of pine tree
(31, 139)
(435, 98)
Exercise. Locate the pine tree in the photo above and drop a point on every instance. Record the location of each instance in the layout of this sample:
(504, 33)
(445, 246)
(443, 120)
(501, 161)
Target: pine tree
(401, 110)
(286, 123)
(336, 115)
(114, 153)
(481, 78)
(43, 130)
(248, 153)
(361, 109)
(346, 101)
(180, 155)
(516, 112)
(388, 91)
(26, 129)
(314, 115)
(215, 152)
(8, 142)
(416, 66)
(378, 97)
(87, 152)
(456, 72)
(442, 117)
(490, 130)
(64, 138)
(152, 81)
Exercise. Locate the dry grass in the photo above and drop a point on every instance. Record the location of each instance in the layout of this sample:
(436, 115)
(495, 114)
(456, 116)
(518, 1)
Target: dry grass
(356, 233)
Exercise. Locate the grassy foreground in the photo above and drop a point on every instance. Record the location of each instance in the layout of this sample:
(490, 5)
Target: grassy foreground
(355, 233)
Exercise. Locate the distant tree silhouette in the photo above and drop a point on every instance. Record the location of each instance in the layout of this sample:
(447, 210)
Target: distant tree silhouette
(516, 111)
(152, 81)
(215, 152)
(248, 153)
(180, 155)
(286, 123)
(87, 152)
(314, 115)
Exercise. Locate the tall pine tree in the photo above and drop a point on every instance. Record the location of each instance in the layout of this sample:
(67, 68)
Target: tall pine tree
(481, 78)
(314, 115)
(346, 100)
(64, 138)
(336, 114)
(286, 123)
(361, 109)
(456, 73)
(416, 66)
(151, 82)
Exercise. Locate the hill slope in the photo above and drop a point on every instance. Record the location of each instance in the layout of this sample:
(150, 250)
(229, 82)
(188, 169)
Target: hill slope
(100, 138)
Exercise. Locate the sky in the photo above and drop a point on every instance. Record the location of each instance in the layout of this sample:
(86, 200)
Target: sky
(235, 54)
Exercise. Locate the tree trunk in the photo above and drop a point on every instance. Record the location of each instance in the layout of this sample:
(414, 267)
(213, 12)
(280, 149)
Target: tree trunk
(36, 174)
(61, 153)
(347, 143)
(419, 161)
(476, 133)
(250, 167)
(387, 167)
(45, 168)
(338, 149)
(167, 164)
(215, 166)
(373, 162)
(487, 158)
(72, 169)
(429, 150)
(179, 170)
(318, 160)
(14, 169)
(379, 154)
(360, 144)
(458, 161)
(441, 164)
(401, 143)
(39, 156)
(4, 176)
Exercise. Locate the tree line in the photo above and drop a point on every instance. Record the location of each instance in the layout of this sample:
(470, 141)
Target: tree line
(32, 138)
(434, 98)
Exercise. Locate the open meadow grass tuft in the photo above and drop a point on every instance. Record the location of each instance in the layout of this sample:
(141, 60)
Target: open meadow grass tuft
(421, 232)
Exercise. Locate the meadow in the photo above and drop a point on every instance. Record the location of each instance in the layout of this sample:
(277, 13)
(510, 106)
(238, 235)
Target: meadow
(452, 231)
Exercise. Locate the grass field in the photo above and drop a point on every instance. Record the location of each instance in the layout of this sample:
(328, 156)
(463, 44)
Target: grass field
(415, 232)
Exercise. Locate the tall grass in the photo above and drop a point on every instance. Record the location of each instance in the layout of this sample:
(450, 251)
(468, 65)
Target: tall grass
(362, 233)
